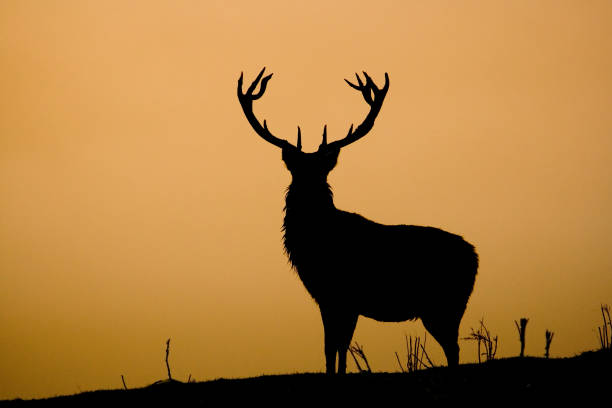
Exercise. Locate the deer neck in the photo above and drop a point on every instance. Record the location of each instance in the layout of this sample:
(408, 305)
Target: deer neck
(309, 212)
(308, 202)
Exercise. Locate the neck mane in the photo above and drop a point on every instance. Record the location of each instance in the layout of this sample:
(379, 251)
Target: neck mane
(305, 199)
(308, 208)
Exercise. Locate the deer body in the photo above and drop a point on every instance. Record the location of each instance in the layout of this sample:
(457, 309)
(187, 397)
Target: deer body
(352, 266)
(348, 260)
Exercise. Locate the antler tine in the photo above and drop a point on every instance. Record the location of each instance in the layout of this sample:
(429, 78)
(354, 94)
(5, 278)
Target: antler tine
(373, 97)
(369, 89)
(385, 87)
(369, 80)
(353, 85)
(262, 88)
(246, 101)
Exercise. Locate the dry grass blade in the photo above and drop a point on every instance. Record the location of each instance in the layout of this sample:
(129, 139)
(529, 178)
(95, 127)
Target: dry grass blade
(167, 354)
(355, 359)
(399, 362)
(424, 353)
(605, 331)
(357, 350)
(415, 355)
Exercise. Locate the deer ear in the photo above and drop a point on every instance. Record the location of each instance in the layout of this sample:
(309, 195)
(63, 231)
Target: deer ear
(299, 140)
(324, 142)
(330, 157)
(330, 151)
(290, 154)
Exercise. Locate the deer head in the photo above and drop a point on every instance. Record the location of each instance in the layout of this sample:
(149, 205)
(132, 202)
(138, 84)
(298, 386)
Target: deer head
(317, 165)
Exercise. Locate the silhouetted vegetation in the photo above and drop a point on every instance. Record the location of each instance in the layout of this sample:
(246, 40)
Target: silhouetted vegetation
(167, 364)
(485, 341)
(522, 327)
(549, 336)
(416, 355)
(605, 331)
(584, 378)
(356, 350)
(170, 379)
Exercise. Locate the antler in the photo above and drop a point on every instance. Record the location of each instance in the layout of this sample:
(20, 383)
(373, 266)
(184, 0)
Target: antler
(246, 101)
(367, 90)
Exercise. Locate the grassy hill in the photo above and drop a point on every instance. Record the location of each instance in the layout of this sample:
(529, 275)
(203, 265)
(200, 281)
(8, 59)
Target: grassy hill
(585, 378)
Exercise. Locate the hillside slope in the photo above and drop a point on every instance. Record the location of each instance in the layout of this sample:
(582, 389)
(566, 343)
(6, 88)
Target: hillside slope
(584, 378)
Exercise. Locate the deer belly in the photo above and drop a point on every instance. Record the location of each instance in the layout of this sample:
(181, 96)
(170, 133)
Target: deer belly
(394, 296)
(388, 310)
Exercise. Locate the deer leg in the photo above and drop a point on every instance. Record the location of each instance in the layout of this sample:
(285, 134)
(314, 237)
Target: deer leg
(451, 350)
(331, 340)
(446, 334)
(347, 328)
(339, 328)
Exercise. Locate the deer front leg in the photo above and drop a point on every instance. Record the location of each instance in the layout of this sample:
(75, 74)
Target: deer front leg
(346, 329)
(330, 340)
(338, 328)
(330, 354)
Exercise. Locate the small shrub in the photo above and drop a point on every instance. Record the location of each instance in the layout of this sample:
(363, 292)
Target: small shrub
(415, 355)
(483, 339)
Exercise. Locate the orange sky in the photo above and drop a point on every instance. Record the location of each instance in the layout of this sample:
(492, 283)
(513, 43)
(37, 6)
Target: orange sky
(136, 203)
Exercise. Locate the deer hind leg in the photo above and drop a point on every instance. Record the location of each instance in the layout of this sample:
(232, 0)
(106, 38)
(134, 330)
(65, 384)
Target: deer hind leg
(338, 328)
(446, 333)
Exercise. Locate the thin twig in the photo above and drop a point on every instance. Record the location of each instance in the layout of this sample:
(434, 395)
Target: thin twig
(522, 327)
(431, 364)
(356, 361)
(604, 334)
(409, 353)
(167, 353)
(357, 349)
(399, 362)
(123, 380)
(549, 337)
(415, 354)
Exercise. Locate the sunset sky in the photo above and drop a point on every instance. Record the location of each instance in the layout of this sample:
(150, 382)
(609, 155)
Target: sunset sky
(137, 204)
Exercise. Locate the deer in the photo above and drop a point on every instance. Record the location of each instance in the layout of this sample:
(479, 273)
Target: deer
(352, 266)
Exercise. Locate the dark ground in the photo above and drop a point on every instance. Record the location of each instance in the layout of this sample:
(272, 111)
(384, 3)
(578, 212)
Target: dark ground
(585, 379)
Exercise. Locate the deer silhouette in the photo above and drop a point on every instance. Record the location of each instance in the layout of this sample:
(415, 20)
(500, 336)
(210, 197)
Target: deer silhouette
(352, 266)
